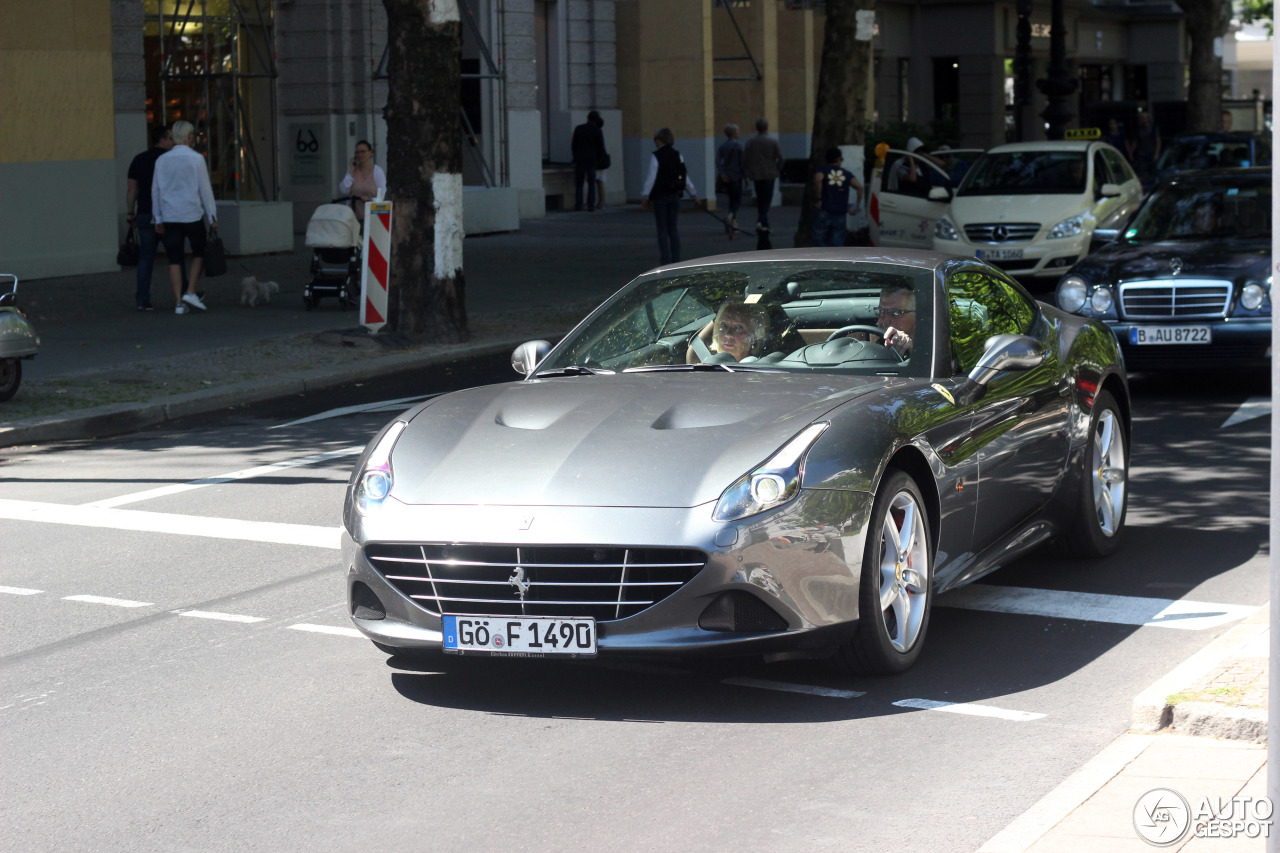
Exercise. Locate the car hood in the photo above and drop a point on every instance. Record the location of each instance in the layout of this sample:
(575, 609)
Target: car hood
(1218, 259)
(1046, 209)
(633, 440)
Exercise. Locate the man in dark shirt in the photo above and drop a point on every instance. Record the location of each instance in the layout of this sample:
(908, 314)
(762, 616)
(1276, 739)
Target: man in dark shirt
(588, 151)
(832, 183)
(138, 205)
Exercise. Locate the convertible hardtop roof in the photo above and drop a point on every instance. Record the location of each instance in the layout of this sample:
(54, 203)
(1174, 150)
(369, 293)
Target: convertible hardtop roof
(914, 258)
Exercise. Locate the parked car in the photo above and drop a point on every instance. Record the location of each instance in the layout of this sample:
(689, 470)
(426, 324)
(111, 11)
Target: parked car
(18, 340)
(1196, 151)
(905, 215)
(1030, 208)
(1188, 282)
(725, 458)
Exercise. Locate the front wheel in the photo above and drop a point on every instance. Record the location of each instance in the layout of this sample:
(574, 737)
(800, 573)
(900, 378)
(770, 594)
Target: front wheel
(1104, 488)
(10, 377)
(895, 595)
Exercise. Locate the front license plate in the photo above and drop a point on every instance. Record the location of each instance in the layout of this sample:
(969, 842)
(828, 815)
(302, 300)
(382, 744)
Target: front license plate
(522, 636)
(1170, 335)
(1000, 254)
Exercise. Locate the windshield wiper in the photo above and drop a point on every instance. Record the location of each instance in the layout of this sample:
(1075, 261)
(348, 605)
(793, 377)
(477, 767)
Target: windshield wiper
(573, 370)
(700, 366)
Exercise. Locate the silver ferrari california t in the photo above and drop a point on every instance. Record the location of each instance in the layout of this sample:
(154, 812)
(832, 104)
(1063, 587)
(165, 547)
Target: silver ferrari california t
(784, 453)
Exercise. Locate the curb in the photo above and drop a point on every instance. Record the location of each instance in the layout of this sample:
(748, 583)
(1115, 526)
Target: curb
(1152, 711)
(122, 418)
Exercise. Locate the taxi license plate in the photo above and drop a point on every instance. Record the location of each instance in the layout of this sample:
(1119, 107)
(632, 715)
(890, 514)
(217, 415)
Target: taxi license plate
(1139, 335)
(520, 636)
(1000, 254)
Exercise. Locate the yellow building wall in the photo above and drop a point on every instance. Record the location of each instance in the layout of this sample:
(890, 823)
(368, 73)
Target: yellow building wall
(56, 99)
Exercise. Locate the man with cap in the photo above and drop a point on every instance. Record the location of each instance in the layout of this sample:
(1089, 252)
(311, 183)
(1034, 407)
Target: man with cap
(907, 177)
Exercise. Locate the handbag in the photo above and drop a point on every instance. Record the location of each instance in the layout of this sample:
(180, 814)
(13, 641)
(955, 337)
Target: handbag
(128, 254)
(605, 161)
(215, 257)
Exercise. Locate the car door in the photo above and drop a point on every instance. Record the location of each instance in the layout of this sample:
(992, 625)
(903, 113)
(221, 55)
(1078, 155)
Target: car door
(1120, 173)
(1020, 426)
(900, 217)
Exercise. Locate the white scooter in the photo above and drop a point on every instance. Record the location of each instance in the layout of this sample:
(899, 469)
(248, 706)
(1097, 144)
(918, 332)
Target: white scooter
(18, 340)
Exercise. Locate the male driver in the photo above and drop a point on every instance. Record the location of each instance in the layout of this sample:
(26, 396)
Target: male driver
(138, 206)
(897, 316)
(181, 198)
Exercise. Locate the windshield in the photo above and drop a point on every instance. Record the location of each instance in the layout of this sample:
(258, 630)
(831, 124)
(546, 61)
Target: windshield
(1198, 211)
(1026, 172)
(1187, 154)
(812, 316)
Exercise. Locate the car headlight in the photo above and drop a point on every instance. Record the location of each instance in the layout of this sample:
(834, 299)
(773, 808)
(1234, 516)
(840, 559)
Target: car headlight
(1068, 227)
(1101, 300)
(944, 229)
(1254, 294)
(1073, 292)
(376, 479)
(772, 484)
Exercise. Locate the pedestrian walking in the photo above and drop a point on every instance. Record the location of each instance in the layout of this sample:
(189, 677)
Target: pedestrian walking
(181, 200)
(729, 174)
(1144, 147)
(832, 183)
(762, 164)
(139, 211)
(364, 178)
(588, 151)
(603, 164)
(665, 184)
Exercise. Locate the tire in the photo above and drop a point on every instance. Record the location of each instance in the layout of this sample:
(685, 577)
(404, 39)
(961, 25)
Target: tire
(10, 377)
(1098, 526)
(895, 595)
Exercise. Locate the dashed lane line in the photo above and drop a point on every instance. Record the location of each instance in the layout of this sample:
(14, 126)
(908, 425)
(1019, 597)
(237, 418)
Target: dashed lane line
(220, 617)
(1183, 614)
(1254, 407)
(111, 602)
(218, 479)
(397, 405)
(17, 590)
(327, 629)
(972, 709)
(184, 525)
(786, 687)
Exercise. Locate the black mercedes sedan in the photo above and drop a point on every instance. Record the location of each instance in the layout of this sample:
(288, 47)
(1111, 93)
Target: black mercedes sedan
(1187, 284)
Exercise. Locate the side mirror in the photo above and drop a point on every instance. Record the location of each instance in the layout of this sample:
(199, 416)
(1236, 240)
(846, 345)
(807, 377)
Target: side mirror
(1103, 236)
(527, 355)
(1007, 352)
(939, 194)
(1110, 191)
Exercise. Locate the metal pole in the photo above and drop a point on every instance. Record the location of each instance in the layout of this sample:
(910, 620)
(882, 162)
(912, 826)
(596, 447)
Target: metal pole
(1058, 86)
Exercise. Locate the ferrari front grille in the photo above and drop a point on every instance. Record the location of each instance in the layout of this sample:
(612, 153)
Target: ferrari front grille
(1174, 299)
(543, 580)
(1002, 232)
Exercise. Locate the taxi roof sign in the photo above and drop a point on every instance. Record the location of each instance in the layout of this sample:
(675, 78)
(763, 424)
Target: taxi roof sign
(1084, 133)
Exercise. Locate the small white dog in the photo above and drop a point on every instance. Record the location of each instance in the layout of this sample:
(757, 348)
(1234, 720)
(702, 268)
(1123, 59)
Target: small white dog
(253, 291)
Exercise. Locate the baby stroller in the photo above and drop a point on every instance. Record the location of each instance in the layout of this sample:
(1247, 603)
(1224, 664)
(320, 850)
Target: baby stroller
(333, 235)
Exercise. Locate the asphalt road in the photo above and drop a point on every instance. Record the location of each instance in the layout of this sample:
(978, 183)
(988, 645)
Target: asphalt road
(178, 672)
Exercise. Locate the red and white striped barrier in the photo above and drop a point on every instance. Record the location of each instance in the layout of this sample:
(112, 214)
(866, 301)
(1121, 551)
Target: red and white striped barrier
(376, 265)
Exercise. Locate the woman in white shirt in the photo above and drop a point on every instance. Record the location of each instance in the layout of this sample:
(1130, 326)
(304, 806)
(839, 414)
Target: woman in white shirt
(363, 179)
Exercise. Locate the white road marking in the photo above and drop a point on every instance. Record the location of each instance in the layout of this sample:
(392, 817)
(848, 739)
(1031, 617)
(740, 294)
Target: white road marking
(972, 709)
(114, 602)
(217, 479)
(327, 629)
(1183, 614)
(783, 686)
(397, 405)
(1254, 407)
(183, 525)
(220, 617)
(17, 590)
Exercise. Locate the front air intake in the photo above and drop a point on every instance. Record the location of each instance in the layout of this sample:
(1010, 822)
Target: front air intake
(740, 612)
(365, 603)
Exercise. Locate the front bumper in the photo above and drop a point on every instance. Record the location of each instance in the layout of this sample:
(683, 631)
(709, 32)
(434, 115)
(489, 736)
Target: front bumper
(1235, 343)
(1041, 258)
(802, 561)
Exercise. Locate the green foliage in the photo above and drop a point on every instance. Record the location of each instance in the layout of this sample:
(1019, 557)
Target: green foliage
(1258, 12)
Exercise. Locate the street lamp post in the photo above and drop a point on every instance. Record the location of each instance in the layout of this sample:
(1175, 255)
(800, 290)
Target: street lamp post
(1058, 86)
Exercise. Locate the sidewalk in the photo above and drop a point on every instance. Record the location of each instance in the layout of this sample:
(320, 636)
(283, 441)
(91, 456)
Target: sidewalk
(1199, 732)
(105, 368)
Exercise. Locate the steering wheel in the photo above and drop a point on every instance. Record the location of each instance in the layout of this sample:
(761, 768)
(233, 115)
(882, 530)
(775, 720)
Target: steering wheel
(871, 330)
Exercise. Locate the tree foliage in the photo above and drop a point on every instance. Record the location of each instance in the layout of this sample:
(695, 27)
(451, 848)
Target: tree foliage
(1259, 12)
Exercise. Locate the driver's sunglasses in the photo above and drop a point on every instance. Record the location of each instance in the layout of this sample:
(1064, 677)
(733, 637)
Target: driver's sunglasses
(884, 312)
(736, 331)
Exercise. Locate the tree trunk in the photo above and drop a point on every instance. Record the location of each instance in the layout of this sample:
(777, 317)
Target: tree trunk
(424, 169)
(841, 113)
(1206, 21)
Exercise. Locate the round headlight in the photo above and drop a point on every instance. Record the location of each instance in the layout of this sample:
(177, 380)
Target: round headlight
(767, 488)
(1251, 297)
(1072, 293)
(944, 230)
(1101, 300)
(377, 485)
